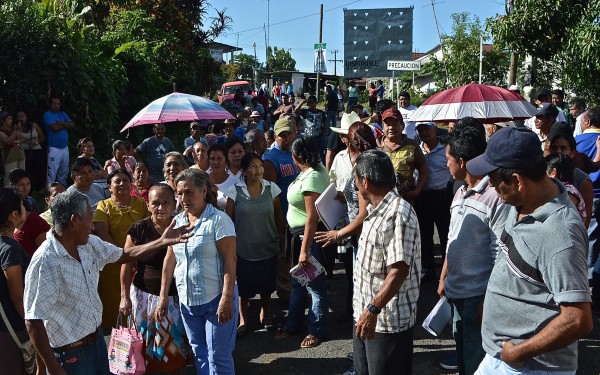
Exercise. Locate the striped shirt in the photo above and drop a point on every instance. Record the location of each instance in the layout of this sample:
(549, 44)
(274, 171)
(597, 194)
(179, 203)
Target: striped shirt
(390, 234)
(199, 268)
(477, 220)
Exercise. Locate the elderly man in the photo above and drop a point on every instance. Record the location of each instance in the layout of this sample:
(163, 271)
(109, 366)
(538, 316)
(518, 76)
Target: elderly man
(256, 142)
(537, 303)
(63, 311)
(387, 272)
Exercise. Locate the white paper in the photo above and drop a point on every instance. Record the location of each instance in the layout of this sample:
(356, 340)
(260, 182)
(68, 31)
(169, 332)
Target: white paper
(330, 209)
(438, 317)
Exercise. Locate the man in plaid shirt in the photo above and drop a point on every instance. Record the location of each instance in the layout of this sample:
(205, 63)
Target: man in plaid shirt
(387, 272)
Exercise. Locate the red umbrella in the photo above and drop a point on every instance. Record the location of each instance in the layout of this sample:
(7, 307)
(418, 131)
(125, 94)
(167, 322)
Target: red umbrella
(484, 102)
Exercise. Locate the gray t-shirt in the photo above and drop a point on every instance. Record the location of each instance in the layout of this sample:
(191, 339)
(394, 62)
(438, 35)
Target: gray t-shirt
(478, 217)
(155, 151)
(95, 194)
(542, 264)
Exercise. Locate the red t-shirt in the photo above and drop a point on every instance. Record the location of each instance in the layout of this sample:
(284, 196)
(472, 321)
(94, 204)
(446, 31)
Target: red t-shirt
(33, 227)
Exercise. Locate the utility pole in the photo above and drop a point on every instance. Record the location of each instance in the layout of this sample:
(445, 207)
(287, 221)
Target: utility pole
(514, 57)
(335, 61)
(480, 58)
(437, 26)
(255, 67)
(320, 41)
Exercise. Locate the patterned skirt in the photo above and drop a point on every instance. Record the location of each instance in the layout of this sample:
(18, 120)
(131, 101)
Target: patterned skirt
(166, 345)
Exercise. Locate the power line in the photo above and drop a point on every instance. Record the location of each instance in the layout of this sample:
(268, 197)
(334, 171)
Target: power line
(292, 19)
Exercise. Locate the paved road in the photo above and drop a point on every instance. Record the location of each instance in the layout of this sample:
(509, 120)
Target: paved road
(259, 353)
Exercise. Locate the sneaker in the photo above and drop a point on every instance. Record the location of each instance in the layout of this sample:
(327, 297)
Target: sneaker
(350, 356)
(350, 371)
(450, 362)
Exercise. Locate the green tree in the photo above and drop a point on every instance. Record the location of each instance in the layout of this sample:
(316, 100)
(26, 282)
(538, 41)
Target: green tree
(280, 59)
(230, 72)
(247, 64)
(461, 56)
(563, 36)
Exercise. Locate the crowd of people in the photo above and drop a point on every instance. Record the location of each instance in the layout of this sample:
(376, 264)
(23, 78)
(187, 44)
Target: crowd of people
(188, 235)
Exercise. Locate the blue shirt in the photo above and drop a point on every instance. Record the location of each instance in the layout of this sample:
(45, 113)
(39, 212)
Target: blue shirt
(240, 133)
(586, 144)
(437, 165)
(380, 91)
(286, 172)
(56, 139)
(199, 267)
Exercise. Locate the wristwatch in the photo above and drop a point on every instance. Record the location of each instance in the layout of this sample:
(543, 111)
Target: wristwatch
(373, 309)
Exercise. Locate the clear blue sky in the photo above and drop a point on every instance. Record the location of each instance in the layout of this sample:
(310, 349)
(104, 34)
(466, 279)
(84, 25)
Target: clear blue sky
(295, 23)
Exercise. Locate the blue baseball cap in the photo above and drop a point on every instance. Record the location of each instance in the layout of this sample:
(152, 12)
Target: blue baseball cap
(513, 148)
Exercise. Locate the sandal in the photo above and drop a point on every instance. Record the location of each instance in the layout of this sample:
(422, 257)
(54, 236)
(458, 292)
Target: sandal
(283, 334)
(268, 324)
(310, 341)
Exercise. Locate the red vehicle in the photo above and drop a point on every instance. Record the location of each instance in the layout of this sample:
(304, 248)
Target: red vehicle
(229, 88)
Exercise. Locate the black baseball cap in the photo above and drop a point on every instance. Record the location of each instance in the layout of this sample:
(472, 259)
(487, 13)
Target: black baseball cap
(508, 148)
(547, 110)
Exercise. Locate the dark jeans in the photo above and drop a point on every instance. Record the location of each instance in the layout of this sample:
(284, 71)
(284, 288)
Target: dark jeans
(433, 208)
(466, 329)
(90, 359)
(387, 353)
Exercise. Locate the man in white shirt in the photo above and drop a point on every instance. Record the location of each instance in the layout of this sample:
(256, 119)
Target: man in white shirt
(406, 109)
(63, 310)
(577, 109)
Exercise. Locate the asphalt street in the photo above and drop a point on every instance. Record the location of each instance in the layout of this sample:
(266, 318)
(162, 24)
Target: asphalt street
(259, 353)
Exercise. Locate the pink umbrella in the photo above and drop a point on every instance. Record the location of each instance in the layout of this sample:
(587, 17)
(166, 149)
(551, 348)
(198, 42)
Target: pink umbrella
(178, 107)
(484, 102)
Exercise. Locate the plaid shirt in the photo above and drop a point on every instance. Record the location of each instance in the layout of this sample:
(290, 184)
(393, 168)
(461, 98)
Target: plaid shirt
(63, 292)
(390, 234)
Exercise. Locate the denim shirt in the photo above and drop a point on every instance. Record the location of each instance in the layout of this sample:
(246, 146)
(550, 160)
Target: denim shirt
(199, 267)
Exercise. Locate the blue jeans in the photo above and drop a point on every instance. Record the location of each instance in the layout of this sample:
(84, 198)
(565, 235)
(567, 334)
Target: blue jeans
(353, 100)
(211, 341)
(317, 314)
(495, 366)
(88, 359)
(594, 253)
(466, 329)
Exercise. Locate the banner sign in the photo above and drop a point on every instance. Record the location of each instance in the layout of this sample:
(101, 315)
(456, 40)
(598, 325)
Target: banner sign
(372, 37)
